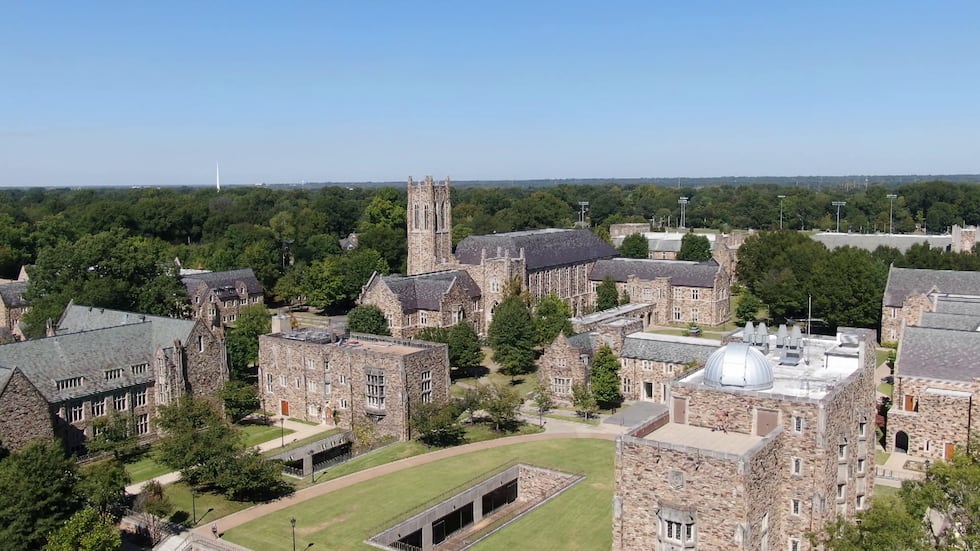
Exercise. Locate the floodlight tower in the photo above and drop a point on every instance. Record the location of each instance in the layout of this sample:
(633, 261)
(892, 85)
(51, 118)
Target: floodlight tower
(584, 205)
(838, 204)
(683, 203)
(891, 211)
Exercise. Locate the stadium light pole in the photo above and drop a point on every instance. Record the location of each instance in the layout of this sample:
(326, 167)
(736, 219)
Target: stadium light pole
(891, 211)
(838, 204)
(683, 203)
(781, 197)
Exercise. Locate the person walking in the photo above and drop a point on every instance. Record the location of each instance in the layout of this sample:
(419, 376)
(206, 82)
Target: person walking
(214, 529)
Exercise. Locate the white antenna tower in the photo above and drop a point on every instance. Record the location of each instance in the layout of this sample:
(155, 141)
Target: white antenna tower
(217, 176)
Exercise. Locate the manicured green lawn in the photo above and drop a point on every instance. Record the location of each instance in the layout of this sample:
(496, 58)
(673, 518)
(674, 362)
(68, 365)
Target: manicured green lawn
(571, 418)
(524, 383)
(884, 491)
(257, 434)
(886, 389)
(881, 355)
(579, 519)
(145, 468)
(210, 507)
(299, 443)
(311, 423)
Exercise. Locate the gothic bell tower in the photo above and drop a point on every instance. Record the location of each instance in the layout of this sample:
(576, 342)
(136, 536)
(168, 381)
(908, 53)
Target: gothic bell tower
(430, 224)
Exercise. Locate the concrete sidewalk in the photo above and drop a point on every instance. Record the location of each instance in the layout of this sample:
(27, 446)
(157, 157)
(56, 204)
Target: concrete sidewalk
(300, 431)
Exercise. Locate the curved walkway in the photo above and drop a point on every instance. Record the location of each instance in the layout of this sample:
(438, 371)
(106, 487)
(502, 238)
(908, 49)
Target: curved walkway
(237, 519)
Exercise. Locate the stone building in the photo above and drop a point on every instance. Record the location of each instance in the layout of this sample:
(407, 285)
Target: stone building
(12, 307)
(909, 293)
(323, 376)
(666, 245)
(430, 224)
(649, 362)
(101, 361)
(437, 299)
(681, 291)
(767, 442)
(218, 297)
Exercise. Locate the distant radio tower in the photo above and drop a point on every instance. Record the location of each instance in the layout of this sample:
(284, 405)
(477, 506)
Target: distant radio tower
(217, 176)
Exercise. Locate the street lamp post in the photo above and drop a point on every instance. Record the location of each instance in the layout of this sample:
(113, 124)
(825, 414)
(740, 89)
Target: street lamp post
(838, 204)
(282, 432)
(292, 523)
(781, 197)
(683, 203)
(891, 211)
(193, 508)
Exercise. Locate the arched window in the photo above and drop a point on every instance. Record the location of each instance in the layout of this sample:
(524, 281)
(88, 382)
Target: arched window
(416, 217)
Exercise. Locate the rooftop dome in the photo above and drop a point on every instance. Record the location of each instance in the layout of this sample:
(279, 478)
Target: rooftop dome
(738, 365)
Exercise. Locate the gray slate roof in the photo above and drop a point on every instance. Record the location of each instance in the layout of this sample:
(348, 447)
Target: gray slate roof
(87, 354)
(12, 294)
(958, 305)
(956, 322)
(682, 273)
(423, 292)
(903, 282)
(221, 280)
(941, 354)
(871, 241)
(163, 331)
(584, 342)
(542, 248)
(5, 373)
(662, 348)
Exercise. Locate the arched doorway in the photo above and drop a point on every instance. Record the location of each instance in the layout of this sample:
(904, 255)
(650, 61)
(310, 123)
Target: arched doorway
(902, 441)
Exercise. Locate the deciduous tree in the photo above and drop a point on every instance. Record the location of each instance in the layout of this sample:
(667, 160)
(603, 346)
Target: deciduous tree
(635, 246)
(436, 424)
(551, 317)
(86, 530)
(240, 399)
(511, 336)
(367, 318)
(103, 485)
(606, 294)
(242, 340)
(604, 377)
(694, 247)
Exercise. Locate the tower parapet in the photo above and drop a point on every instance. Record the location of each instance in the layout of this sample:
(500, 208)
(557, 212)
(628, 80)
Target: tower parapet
(429, 222)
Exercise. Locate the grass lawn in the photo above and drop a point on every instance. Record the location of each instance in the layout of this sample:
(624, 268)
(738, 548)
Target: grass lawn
(881, 457)
(571, 418)
(310, 423)
(886, 389)
(146, 467)
(881, 355)
(210, 507)
(579, 519)
(257, 434)
(525, 383)
(884, 491)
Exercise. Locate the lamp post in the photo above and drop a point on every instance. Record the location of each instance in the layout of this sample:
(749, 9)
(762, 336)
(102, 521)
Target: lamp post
(282, 432)
(781, 197)
(193, 508)
(683, 203)
(292, 523)
(891, 211)
(838, 204)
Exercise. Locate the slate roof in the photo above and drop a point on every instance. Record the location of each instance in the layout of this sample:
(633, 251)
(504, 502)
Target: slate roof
(683, 273)
(12, 294)
(666, 348)
(87, 354)
(425, 291)
(940, 354)
(959, 305)
(5, 373)
(956, 322)
(903, 282)
(164, 331)
(871, 241)
(584, 342)
(542, 248)
(226, 279)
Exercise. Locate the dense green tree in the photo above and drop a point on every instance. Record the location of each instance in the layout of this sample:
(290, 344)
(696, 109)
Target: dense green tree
(604, 377)
(248, 476)
(847, 288)
(551, 317)
(86, 530)
(464, 346)
(748, 308)
(694, 247)
(152, 506)
(635, 246)
(511, 336)
(103, 485)
(196, 439)
(337, 281)
(502, 402)
(607, 296)
(367, 318)
(37, 494)
(242, 340)
(291, 287)
(543, 402)
(240, 399)
(436, 424)
(113, 434)
(776, 268)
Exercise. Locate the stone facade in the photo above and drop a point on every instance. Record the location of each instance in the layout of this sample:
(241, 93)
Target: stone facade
(410, 304)
(218, 297)
(102, 361)
(565, 363)
(727, 467)
(430, 223)
(23, 411)
(341, 380)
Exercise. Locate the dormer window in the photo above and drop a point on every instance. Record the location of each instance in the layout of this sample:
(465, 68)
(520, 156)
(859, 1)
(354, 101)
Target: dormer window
(111, 374)
(73, 382)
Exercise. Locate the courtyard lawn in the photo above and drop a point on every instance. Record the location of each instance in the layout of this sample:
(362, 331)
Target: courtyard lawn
(523, 384)
(209, 507)
(145, 468)
(257, 434)
(572, 418)
(579, 519)
(881, 355)
(886, 389)
(881, 457)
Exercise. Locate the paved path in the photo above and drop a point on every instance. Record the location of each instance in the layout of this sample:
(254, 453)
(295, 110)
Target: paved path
(257, 511)
(300, 431)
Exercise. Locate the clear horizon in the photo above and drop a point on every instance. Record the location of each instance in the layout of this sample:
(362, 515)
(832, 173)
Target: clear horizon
(119, 94)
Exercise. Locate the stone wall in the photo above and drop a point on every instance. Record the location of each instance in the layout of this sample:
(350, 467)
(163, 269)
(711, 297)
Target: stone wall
(934, 419)
(560, 359)
(625, 230)
(536, 484)
(658, 374)
(24, 413)
(377, 293)
(207, 362)
(429, 224)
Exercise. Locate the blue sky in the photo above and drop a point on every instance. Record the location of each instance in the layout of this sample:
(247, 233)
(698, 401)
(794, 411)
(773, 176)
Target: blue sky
(155, 93)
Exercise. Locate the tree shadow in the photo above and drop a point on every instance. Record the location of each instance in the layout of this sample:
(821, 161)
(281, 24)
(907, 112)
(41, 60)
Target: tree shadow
(467, 372)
